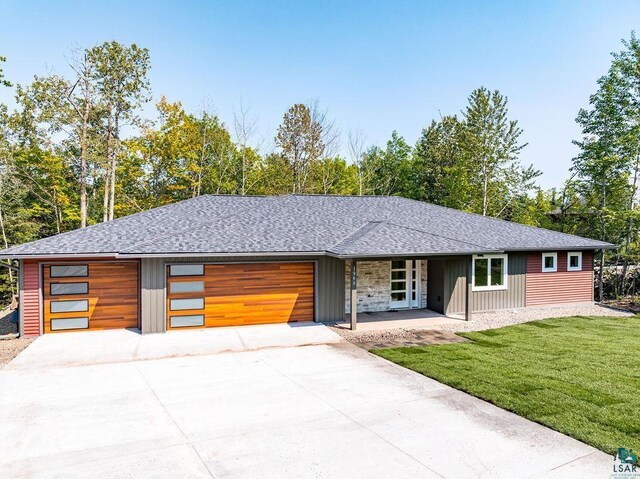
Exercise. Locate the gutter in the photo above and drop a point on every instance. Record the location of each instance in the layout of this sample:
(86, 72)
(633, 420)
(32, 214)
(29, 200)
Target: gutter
(292, 253)
(411, 255)
(564, 248)
(159, 255)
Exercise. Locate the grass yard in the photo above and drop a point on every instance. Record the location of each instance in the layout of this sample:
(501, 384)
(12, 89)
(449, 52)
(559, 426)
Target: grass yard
(578, 375)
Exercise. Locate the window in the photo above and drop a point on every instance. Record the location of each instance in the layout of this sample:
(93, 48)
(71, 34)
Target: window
(185, 321)
(489, 272)
(181, 304)
(70, 306)
(61, 324)
(399, 283)
(186, 270)
(549, 262)
(186, 286)
(69, 271)
(574, 261)
(59, 289)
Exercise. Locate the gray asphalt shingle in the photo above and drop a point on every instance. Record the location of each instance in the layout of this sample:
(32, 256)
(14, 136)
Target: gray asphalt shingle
(339, 225)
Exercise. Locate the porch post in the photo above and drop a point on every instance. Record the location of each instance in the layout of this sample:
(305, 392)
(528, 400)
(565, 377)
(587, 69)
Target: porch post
(354, 294)
(469, 294)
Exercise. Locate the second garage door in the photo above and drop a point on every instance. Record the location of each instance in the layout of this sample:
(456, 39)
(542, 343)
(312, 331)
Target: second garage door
(233, 294)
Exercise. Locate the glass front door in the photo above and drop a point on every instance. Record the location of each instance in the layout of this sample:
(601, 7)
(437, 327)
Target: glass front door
(405, 284)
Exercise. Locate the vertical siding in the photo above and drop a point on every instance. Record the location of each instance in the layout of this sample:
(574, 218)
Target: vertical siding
(30, 298)
(152, 295)
(455, 287)
(435, 286)
(330, 292)
(561, 286)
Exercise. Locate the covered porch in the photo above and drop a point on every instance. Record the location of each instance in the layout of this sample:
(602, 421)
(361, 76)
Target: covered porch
(410, 293)
(421, 319)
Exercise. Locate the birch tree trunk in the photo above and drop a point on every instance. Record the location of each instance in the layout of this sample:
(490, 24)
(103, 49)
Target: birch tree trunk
(105, 203)
(114, 164)
(84, 147)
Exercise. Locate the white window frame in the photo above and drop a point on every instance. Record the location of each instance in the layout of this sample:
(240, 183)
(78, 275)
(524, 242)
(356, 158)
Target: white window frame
(579, 255)
(555, 262)
(489, 257)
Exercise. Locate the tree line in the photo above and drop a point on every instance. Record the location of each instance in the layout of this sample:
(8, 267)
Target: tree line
(76, 150)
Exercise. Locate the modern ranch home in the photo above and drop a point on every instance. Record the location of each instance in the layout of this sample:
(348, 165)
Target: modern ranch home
(236, 260)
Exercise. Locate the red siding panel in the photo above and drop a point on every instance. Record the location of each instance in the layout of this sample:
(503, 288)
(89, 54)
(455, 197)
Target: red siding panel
(561, 286)
(31, 298)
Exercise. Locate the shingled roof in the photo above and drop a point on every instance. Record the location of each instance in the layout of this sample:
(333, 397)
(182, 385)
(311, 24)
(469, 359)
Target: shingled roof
(344, 226)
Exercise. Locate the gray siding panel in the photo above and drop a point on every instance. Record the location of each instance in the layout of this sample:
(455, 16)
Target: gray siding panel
(329, 289)
(512, 297)
(435, 286)
(152, 295)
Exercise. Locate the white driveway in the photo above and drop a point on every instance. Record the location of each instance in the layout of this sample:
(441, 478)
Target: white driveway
(280, 402)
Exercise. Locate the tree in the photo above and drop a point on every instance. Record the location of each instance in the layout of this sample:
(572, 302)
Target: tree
(492, 143)
(83, 106)
(39, 162)
(120, 73)
(440, 172)
(607, 166)
(300, 140)
(356, 146)
(245, 128)
(387, 170)
(3, 80)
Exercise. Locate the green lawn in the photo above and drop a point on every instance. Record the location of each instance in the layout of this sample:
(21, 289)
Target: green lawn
(578, 375)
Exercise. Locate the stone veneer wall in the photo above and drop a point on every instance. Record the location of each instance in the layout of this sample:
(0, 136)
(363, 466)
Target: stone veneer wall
(374, 285)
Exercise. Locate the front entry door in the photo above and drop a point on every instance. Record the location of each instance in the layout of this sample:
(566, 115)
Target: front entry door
(405, 284)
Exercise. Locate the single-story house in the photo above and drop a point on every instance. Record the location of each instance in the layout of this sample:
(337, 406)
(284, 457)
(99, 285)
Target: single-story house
(233, 260)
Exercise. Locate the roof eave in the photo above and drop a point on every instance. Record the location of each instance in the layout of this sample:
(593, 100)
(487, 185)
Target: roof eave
(565, 248)
(410, 255)
(58, 255)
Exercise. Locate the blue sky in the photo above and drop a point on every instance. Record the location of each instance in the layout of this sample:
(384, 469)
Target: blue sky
(376, 66)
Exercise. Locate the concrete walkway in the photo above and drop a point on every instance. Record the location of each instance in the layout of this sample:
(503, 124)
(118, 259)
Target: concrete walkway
(266, 401)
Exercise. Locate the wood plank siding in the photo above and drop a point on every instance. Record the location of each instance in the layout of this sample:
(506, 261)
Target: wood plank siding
(30, 298)
(561, 286)
(249, 293)
(112, 295)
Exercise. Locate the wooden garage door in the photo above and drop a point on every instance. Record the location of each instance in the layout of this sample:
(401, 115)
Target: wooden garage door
(90, 295)
(212, 295)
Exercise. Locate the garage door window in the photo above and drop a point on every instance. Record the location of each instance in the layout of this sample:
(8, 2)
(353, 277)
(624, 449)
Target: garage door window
(186, 287)
(70, 271)
(60, 324)
(187, 321)
(72, 306)
(191, 303)
(186, 270)
(60, 289)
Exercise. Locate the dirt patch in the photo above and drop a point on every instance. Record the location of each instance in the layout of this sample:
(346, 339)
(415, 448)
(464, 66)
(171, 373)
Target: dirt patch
(10, 348)
(626, 304)
(397, 337)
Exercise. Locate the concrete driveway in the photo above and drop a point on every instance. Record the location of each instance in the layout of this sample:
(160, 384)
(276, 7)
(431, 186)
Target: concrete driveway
(262, 401)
